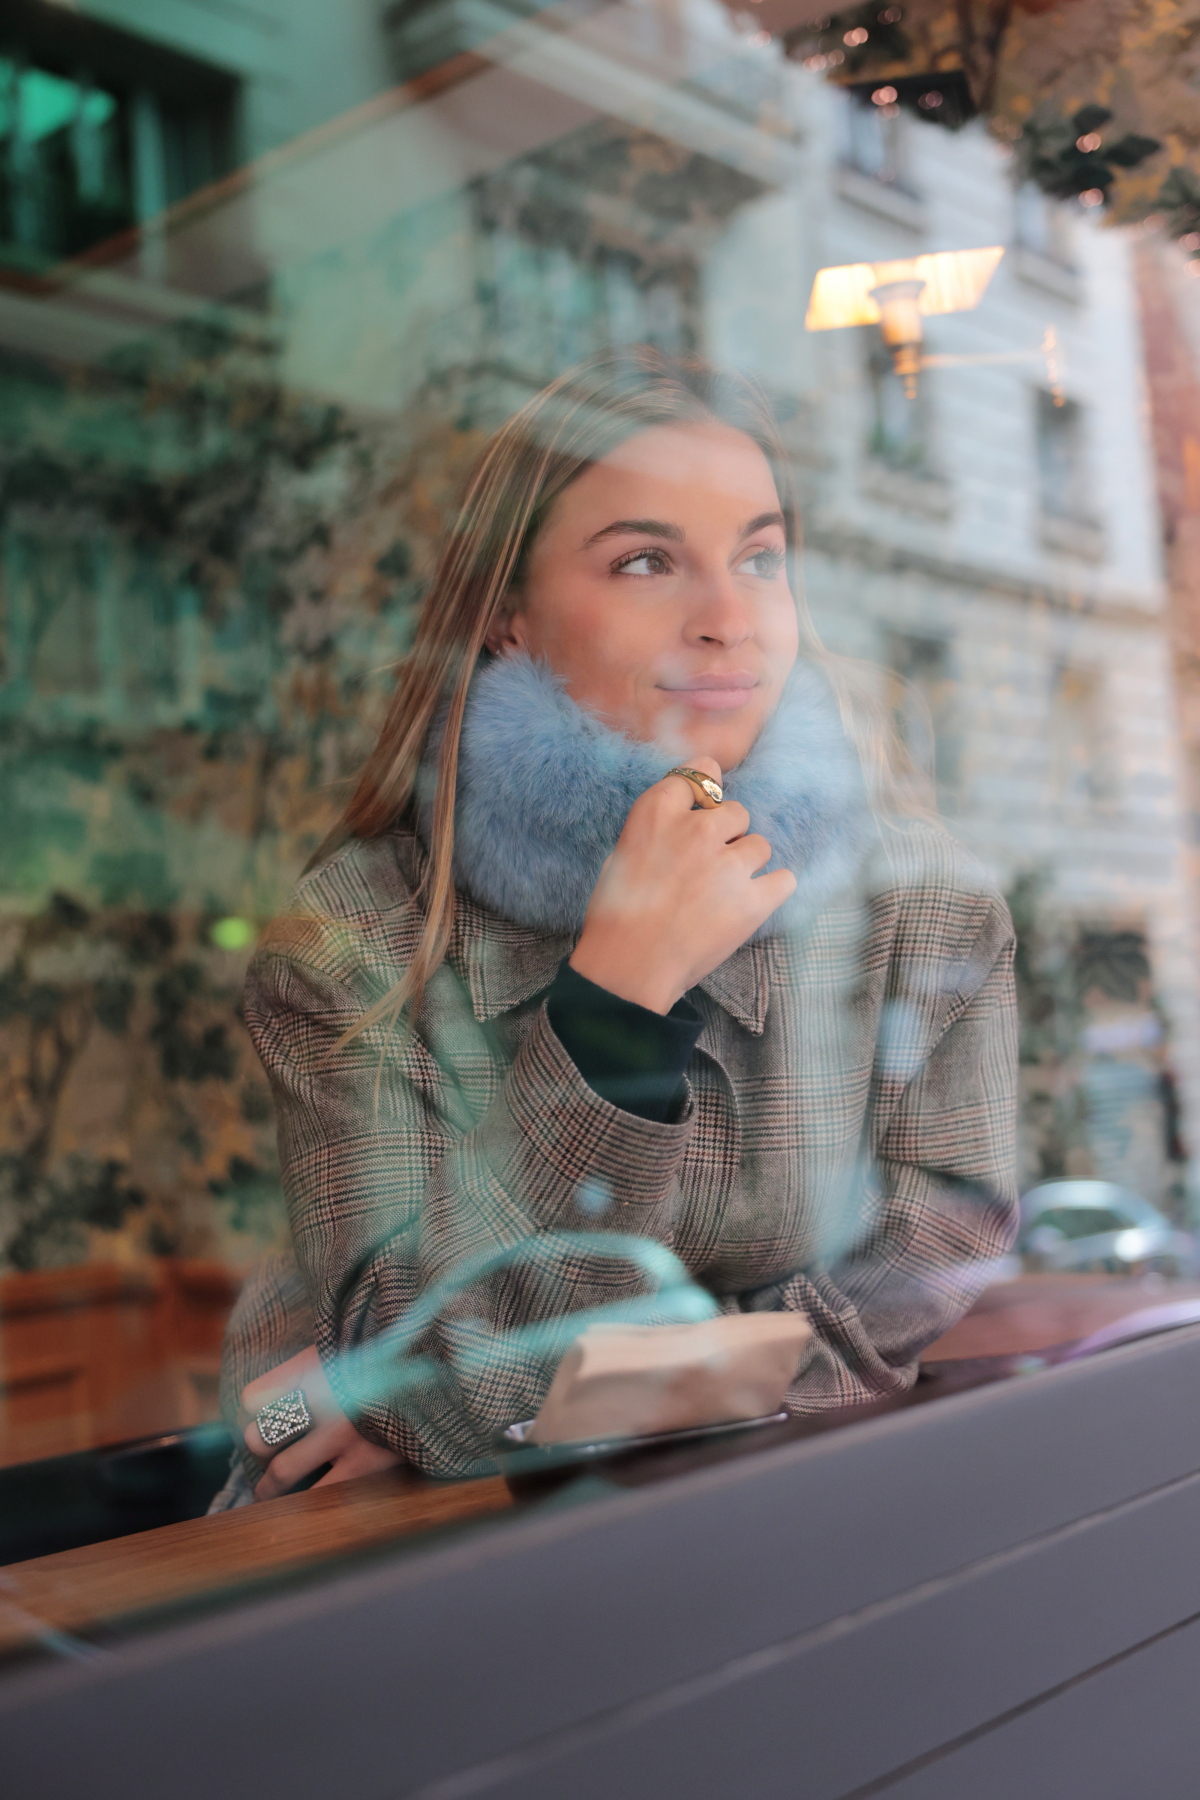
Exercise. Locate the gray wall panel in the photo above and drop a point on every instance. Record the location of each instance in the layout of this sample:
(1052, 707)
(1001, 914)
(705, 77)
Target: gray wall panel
(840, 1707)
(1130, 1732)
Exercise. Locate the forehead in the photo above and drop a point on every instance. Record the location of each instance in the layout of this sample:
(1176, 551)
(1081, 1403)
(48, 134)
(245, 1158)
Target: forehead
(701, 464)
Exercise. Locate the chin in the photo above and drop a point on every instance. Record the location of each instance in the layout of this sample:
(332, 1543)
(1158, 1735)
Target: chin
(685, 735)
(728, 748)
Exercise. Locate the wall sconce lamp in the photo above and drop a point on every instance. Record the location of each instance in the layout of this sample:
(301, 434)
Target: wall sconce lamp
(896, 296)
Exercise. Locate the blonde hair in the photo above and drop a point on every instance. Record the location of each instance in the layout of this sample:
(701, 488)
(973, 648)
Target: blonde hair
(580, 418)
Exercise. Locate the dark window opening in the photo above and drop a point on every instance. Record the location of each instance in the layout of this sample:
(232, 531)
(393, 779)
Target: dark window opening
(1062, 459)
(923, 706)
(99, 131)
(873, 142)
(1042, 225)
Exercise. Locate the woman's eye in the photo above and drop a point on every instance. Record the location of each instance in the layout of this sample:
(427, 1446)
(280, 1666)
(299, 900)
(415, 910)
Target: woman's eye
(765, 563)
(645, 562)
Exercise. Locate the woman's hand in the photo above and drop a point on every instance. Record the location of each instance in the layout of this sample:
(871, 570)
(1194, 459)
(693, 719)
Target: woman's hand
(677, 896)
(330, 1439)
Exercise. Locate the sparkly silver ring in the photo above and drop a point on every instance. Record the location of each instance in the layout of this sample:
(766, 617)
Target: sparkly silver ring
(284, 1420)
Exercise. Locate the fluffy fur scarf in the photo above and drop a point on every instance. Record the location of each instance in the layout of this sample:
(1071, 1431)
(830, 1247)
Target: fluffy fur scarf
(544, 788)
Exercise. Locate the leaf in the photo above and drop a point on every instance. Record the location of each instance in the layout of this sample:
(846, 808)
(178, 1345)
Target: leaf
(1180, 188)
(1090, 118)
(396, 561)
(1131, 150)
(43, 1001)
(114, 998)
(68, 913)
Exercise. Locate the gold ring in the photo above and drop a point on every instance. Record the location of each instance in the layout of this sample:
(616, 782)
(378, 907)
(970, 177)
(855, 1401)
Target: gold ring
(708, 792)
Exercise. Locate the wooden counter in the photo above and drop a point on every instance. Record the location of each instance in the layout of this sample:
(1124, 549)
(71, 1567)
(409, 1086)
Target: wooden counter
(110, 1583)
(1037, 1313)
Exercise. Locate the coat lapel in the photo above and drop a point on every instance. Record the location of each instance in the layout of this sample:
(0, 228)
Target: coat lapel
(503, 965)
(742, 985)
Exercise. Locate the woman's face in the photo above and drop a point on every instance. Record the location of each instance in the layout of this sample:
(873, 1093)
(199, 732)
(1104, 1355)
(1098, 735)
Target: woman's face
(657, 589)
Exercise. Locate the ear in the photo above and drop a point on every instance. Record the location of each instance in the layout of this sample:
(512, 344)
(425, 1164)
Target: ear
(508, 632)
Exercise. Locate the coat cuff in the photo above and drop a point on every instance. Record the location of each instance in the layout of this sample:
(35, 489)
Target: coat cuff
(577, 1161)
(625, 1052)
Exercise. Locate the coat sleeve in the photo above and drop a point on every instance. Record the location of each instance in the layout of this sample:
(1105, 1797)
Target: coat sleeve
(398, 1197)
(272, 1320)
(942, 1206)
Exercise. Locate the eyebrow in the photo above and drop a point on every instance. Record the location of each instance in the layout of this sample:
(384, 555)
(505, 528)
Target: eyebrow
(661, 528)
(760, 523)
(638, 528)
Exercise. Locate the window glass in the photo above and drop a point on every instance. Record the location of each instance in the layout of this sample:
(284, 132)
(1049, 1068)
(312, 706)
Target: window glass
(874, 140)
(1043, 225)
(914, 569)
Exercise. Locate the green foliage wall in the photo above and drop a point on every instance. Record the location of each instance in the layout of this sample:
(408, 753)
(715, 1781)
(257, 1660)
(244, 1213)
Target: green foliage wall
(208, 568)
(205, 585)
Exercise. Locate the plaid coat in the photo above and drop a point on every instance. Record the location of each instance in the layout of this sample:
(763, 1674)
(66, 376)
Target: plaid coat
(847, 1146)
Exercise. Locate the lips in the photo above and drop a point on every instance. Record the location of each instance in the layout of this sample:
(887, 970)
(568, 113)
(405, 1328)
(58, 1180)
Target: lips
(713, 693)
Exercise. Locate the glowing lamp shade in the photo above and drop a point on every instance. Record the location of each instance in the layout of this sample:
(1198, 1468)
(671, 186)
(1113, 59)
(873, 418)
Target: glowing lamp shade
(897, 295)
(899, 304)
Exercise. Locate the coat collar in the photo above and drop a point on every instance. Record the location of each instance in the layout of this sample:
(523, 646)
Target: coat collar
(503, 965)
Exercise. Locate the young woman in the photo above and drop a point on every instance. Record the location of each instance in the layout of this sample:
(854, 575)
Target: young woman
(545, 1007)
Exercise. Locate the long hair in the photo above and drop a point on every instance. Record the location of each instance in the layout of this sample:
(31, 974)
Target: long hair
(580, 418)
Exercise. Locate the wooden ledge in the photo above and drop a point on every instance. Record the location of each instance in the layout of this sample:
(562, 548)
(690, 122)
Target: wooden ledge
(111, 1583)
(1036, 1313)
(78, 1591)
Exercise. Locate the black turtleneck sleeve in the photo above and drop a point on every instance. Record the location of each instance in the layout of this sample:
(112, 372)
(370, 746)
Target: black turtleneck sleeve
(629, 1055)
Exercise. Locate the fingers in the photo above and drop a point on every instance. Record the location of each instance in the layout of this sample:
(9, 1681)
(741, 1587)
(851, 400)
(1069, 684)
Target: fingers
(673, 797)
(772, 890)
(364, 1458)
(707, 765)
(344, 1449)
(261, 1451)
(752, 850)
(302, 1371)
(682, 793)
(287, 1467)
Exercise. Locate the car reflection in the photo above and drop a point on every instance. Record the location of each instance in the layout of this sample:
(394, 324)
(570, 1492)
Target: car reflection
(1083, 1225)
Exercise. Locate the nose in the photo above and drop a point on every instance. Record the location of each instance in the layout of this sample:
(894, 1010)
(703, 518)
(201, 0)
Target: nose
(719, 614)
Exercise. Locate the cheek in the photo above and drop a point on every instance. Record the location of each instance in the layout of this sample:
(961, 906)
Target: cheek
(592, 637)
(779, 632)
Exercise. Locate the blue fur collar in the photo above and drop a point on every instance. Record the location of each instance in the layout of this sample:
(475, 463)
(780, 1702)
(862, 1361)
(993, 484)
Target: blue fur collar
(544, 789)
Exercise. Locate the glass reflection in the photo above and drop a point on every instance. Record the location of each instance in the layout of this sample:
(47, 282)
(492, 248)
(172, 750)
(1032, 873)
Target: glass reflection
(266, 289)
